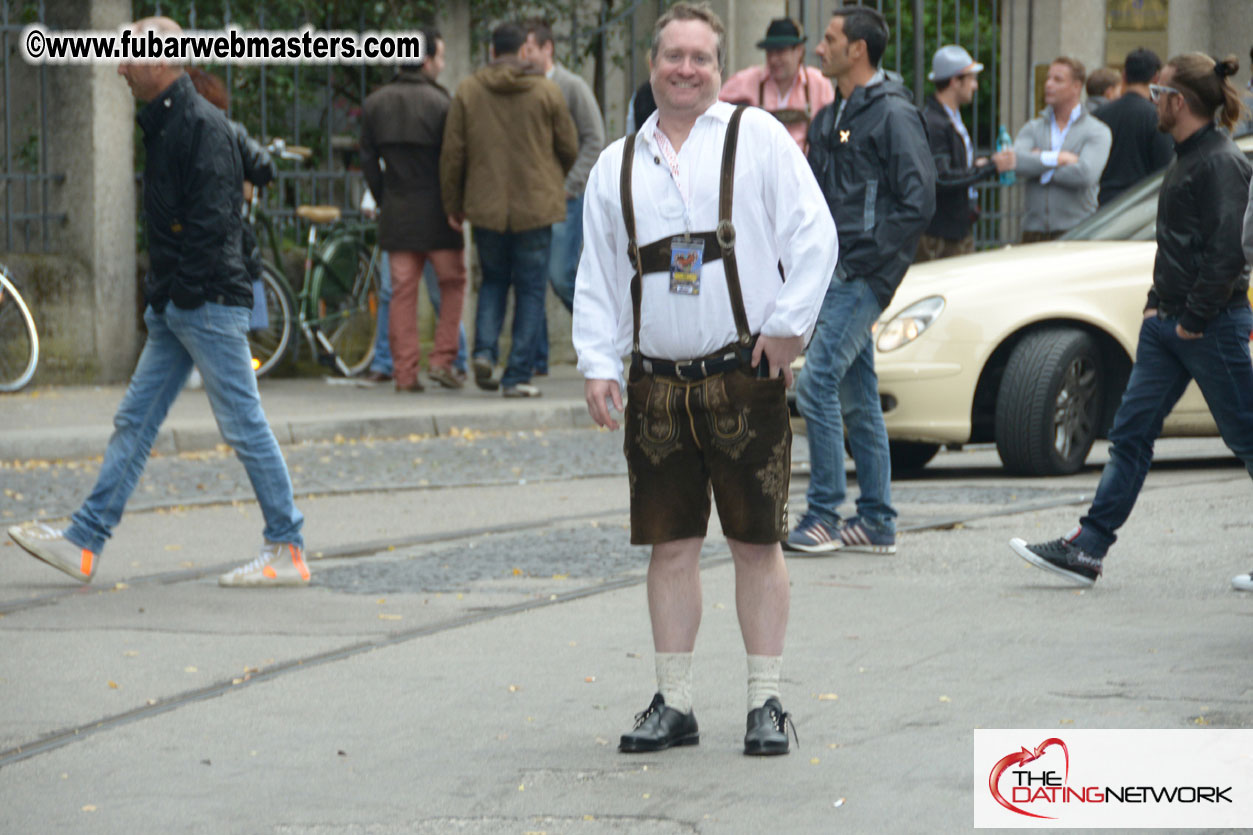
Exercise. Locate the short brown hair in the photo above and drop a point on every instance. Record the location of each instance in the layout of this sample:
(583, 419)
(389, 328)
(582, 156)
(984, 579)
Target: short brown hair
(540, 28)
(1078, 72)
(1101, 80)
(1204, 84)
(691, 11)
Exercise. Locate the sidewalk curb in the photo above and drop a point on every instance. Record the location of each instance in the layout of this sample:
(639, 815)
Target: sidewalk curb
(198, 436)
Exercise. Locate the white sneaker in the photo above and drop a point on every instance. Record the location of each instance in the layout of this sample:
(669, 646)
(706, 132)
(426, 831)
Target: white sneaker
(521, 390)
(1243, 583)
(278, 564)
(51, 546)
(194, 382)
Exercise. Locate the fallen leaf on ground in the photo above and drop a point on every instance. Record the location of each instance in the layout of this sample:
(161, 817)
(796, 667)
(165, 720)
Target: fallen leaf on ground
(190, 670)
(590, 679)
(814, 761)
(89, 808)
(945, 699)
(828, 697)
(385, 616)
(112, 685)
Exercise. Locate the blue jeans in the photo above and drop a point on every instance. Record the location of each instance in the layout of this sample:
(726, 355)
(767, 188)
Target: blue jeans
(382, 361)
(213, 337)
(518, 260)
(1219, 362)
(563, 266)
(838, 389)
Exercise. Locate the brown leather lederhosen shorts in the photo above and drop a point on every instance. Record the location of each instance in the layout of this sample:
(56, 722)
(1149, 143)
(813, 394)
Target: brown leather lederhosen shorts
(730, 431)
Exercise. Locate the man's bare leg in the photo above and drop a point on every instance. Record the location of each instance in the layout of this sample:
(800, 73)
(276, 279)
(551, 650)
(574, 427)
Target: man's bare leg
(762, 596)
(674, 605)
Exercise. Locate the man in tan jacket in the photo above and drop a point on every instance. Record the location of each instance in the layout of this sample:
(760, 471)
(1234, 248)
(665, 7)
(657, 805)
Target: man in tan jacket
(508, 143)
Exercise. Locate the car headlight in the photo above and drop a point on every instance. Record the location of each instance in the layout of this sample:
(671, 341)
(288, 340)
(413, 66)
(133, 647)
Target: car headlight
(909, 324)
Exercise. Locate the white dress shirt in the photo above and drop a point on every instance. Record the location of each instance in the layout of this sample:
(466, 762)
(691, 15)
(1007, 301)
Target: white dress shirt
(1057, 137)
(779, 215)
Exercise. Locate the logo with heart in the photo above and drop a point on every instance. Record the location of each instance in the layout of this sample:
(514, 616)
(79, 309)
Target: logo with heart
(1021, 758)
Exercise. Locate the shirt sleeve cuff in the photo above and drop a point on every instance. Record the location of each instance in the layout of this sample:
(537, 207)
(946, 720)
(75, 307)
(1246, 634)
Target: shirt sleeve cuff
(1049, 158)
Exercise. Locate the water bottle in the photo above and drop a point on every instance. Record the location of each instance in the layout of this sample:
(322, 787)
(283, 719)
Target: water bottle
(1003, 143)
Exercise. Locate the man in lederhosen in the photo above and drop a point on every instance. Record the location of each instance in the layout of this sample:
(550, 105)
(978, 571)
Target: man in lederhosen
(783, 86)
(711, 327)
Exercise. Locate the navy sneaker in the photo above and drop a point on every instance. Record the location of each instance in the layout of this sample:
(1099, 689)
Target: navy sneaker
(1063, 557)
(813, 536)
(855, 536)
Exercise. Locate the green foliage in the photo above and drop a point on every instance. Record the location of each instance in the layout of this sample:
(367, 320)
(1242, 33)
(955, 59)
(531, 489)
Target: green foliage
(987, 36)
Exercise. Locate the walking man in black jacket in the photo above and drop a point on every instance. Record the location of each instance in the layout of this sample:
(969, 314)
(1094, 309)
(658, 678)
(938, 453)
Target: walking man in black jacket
(199, 298)
(870, 155)
(1196, 320)
(956, 77)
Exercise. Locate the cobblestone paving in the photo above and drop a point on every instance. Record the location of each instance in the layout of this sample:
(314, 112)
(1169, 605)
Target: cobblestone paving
(47, 488)
(530, 561)
(42, 488)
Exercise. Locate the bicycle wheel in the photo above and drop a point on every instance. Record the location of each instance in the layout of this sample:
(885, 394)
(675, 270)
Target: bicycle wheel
(348, 301)
(19, 341)
(271, 343)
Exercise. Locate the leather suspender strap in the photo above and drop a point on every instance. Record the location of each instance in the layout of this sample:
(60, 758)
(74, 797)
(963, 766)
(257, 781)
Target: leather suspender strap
(633, 250)
(726, 229)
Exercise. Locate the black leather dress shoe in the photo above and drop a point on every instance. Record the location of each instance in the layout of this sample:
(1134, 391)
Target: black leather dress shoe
(767, 730)
(659, 728)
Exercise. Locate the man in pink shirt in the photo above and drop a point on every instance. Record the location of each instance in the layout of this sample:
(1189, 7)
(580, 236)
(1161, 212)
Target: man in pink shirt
(783, 86)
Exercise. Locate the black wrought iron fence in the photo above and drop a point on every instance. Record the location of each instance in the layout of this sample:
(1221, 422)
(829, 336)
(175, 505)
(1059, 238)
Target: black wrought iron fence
(26, 180)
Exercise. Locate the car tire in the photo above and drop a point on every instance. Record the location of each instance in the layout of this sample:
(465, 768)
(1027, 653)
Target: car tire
(1049, 407)
(911, 456)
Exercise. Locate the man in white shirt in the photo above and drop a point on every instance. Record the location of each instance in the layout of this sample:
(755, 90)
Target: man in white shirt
(706, 402)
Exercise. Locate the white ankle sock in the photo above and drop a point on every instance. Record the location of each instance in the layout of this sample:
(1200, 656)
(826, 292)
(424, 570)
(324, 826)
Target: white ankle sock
(674, 679)
(763, 678)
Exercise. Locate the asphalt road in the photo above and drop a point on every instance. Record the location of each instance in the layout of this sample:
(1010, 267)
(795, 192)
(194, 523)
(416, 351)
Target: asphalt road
(475, 639)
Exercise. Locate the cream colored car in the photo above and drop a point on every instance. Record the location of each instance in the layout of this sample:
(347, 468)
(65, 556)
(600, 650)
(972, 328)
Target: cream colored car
(1026, 346)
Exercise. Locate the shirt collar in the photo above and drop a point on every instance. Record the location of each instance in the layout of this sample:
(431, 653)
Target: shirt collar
(719, 111)
(155, 113)
(551, 70)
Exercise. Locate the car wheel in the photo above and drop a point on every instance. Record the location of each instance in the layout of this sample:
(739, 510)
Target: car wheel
(1048, 410)
(908, 456)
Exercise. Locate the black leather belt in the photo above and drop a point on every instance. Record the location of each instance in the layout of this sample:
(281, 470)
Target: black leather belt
(728, 359)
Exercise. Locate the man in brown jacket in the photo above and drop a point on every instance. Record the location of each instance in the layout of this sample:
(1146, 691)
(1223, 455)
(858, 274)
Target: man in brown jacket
(508, 144)
(403, 125)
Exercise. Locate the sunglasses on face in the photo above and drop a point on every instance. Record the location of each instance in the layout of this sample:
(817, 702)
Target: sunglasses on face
(1159, 90)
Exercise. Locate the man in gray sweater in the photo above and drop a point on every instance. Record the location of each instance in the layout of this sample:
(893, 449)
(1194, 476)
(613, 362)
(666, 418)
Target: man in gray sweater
(563, 260)
(1061, 155)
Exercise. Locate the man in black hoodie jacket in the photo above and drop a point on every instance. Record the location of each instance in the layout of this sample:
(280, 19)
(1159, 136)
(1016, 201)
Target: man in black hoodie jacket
(870, 154)
(199, 298)
(1196, 320)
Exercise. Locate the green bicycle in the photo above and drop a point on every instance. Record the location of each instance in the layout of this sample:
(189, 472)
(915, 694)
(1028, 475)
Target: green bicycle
(337, 307)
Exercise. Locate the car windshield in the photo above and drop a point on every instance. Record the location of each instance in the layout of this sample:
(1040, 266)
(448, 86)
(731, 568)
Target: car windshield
(1133, 216)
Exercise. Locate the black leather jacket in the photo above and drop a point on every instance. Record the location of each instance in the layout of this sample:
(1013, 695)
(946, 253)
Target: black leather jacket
(1200, 267)
(193, 184)
(876, 171)
(953, 178)
(259, 169)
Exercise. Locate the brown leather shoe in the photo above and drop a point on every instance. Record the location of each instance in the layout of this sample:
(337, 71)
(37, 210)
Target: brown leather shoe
(414, 387)
(445, 377)
(376, 377)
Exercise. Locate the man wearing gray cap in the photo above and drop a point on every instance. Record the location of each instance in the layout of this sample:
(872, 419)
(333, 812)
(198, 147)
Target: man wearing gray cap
(956, 77)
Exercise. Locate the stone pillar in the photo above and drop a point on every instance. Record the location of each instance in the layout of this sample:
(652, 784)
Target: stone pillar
(91, 130)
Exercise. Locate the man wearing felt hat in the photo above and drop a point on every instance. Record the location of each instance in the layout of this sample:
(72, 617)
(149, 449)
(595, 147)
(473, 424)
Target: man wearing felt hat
(783, 86)
(956, 78)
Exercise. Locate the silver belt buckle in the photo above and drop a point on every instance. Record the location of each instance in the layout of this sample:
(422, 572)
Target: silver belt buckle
(680, 367)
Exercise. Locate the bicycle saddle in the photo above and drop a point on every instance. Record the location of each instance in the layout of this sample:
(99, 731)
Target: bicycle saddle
(319, 214)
